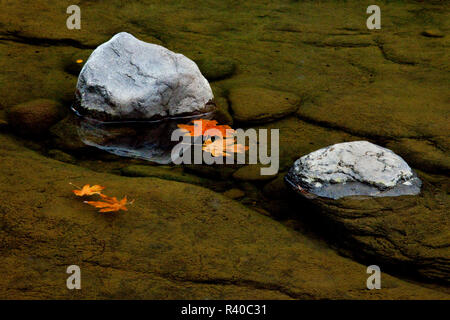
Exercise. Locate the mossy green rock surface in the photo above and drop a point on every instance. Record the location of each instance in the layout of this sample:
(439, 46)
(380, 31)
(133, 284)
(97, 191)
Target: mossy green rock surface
(65, 135)
(216, 68)
(234, 193)
(177, 241)
(252, 172)
(253, 104)
(34, 117)
(410, 233)
(167, 173)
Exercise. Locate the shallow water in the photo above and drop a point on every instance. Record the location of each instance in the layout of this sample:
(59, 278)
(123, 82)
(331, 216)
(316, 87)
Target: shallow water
(388, 86)
(146, 140)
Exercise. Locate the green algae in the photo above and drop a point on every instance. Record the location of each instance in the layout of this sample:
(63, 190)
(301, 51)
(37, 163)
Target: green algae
(216, 68)
(251, 172)
(34, 118)
(170, 173)
(422, 154)
(253, 104)
(234, 193)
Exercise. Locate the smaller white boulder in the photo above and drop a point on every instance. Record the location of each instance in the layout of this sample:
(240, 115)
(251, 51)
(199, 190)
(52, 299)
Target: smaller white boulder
(353, 168)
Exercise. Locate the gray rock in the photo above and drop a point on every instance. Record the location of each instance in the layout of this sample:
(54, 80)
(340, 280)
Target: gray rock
(128, 79)
(353, 168)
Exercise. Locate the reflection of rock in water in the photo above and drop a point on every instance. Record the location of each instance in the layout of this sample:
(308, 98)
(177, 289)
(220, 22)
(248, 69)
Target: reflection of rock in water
(143, 140)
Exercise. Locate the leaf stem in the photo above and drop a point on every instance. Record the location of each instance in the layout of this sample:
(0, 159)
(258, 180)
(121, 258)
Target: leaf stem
(74, 185)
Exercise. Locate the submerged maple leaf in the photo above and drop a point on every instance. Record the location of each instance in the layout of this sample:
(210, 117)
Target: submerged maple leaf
(110, 204)
(220, 147)
(87, 190)
(200, 127)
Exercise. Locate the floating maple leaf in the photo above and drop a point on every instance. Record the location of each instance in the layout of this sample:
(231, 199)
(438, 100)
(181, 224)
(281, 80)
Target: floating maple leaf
(200, 127)
(87, 190)
(224, 134)
(110, 204)
(220, 147)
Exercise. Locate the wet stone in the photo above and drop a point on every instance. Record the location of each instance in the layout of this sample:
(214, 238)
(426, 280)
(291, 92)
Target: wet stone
(216, 68)
(257, 105)
(34, 118)
(234, 193)
(129, 79)
(61, 156)
(357, 168)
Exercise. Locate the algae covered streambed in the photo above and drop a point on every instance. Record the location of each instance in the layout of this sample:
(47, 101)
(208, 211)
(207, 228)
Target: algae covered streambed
(310, 69)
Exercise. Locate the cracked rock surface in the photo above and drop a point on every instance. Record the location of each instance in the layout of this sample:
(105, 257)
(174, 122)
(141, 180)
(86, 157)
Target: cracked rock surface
(357, 168)
(129, 79)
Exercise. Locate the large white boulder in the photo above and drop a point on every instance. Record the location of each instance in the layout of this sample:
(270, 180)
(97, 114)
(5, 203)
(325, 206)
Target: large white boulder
(129, 79)
(353, 168)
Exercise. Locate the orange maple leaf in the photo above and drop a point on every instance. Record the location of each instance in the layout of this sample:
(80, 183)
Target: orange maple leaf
(202, 125)
(87, 190)
(110, 204)
(220, 147)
